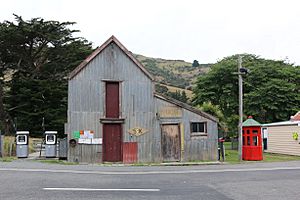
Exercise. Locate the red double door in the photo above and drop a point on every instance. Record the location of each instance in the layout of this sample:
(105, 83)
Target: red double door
(112, 132)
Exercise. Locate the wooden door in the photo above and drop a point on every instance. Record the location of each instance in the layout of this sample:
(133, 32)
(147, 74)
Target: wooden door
(112, 100)
(112, 142)
(170, 142)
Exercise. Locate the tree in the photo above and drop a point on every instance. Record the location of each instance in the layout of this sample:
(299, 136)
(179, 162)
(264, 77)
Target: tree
(37, 56)
(180, 96)
(161, 89)
(195, 63)
(271, 89)
(184, 98)
(214, 110)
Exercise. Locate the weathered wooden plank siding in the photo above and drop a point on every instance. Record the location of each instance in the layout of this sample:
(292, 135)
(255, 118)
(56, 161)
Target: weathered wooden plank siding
(87, 96)
(200, 147)
(280, 140)
(196, 147)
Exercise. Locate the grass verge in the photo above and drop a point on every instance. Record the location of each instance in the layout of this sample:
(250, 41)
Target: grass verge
(61, 162)
(231, 156)
(7, 159)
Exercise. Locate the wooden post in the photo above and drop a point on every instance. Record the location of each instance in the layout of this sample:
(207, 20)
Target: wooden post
(240, 109)
(1, 145)
(10, 148)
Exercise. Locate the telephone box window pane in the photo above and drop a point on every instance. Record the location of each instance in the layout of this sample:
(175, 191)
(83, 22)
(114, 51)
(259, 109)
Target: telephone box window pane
(248, 140)
(255, 132)
(255, 140)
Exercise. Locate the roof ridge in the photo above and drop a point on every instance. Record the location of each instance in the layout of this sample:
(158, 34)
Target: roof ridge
(98, 50)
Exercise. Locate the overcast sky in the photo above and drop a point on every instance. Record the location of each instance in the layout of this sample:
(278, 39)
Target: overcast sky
(205, 30)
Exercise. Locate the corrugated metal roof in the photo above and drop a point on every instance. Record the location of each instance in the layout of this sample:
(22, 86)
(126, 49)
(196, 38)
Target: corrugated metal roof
(186, 106)
(296, 117)
(84, 63)
(251, 122)
(284, 123)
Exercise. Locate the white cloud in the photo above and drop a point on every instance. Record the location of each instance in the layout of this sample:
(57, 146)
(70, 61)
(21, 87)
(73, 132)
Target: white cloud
(191, 29)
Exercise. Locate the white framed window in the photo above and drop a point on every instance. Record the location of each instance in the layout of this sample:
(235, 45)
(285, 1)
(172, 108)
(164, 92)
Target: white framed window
(198, 128)
(50, 139)
(21, 139)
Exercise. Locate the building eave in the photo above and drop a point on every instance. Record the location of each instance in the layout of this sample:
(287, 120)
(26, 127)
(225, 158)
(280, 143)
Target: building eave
(112, 39)
(186, 106)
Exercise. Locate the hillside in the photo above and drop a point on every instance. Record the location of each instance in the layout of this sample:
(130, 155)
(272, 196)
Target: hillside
(173, 89)
(176, 73)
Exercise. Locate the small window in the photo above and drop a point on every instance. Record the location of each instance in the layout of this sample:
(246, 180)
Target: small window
(50, 139)
(21, 139)
(199, 129)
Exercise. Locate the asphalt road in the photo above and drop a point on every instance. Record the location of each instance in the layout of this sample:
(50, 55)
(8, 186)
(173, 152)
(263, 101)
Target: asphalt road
(23, 179)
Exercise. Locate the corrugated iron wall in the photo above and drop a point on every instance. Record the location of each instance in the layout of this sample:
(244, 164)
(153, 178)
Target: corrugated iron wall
(87, 95)
(196, 147)
(130, 150)
(138, 107)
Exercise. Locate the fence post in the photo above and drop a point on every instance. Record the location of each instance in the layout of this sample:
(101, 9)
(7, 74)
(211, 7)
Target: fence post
(1, 145)
(10, 148)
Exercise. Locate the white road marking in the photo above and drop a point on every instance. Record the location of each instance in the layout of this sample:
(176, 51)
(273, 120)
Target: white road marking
(104, 190)
(150, 172)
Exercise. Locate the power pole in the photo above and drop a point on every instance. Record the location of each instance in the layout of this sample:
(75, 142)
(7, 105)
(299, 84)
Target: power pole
(240, 108)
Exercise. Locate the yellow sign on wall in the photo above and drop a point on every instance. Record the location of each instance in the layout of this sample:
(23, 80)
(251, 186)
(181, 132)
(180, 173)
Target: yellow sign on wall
(170, 112)
(137, 131)
(295, 136)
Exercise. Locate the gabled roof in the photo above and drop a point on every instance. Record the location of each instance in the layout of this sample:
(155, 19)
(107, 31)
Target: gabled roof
(112, 39)
(186, 106)
(250, 122)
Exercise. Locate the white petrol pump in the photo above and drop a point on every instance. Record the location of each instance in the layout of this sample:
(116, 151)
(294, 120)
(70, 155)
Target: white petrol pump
(51, 143)
(22, 139)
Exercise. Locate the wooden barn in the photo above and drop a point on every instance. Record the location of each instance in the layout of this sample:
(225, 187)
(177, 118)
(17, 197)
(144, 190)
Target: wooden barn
(114, 115)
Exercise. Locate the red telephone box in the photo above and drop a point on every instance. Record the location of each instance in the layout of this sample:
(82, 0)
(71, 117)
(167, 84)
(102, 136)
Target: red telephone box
(252, 142)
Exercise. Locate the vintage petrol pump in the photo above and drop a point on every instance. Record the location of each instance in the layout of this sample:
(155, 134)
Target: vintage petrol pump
(22, 139)
(51, 143)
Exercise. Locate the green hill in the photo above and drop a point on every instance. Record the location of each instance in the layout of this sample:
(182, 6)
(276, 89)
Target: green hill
(176, 73)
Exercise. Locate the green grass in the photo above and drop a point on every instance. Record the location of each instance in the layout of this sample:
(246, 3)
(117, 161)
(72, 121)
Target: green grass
(227, 145)
(271, 157)
(7, 159)
(231, 156)
(61, 162)
(9, 143)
